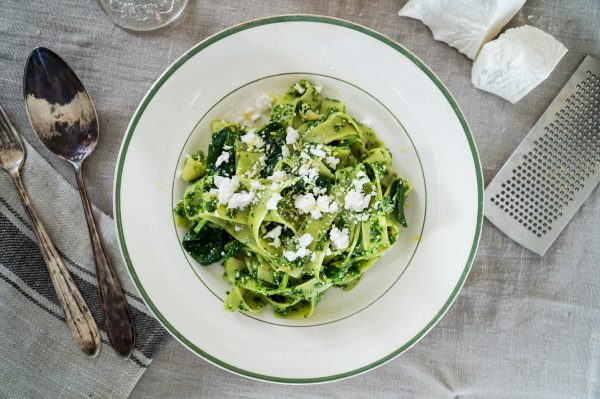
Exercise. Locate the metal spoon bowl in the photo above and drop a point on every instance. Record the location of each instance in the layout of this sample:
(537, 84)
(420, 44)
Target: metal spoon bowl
(64, 118)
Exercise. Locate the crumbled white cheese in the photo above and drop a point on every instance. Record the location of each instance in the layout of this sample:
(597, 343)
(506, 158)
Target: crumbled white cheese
(250, 174)
(291, 135)
(273, 201)
(309, 174)
(332, 161)
(304, 156)
(362, 217)
(356, 201)
(285, 151)
(274, 235)
(292, 256)
(227, 147)
(361, 180)
(238, 228)
(278, 176)
(250, 137)
(318, 89)
(321, 206)
(250, 113)
(240, 200)
(515, 63)
(307, 203)
(305, 240)
(256, 185)
(299, 89)
(463, 24)
(318, 152)
(264, 103)
(339, 238)
(221, 159)
(332, 205)
(319, 190)
(226, 187)
(252, 140)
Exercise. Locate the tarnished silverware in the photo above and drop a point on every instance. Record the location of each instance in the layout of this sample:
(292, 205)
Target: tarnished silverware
(79, 319)
(64, 118)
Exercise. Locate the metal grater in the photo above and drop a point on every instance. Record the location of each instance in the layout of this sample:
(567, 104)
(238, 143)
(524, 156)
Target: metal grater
(554, 169)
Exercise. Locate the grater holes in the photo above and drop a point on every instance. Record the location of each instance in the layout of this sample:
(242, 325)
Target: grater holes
(562, 158)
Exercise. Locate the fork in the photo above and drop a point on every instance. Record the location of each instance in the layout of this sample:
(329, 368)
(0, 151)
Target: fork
(79, 318)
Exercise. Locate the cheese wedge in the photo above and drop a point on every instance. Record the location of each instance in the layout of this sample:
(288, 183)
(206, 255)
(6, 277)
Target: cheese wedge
(464, 24)
(515, 63)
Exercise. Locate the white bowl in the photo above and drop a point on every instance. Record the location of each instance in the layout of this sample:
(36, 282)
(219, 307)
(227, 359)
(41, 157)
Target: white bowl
(402, 296)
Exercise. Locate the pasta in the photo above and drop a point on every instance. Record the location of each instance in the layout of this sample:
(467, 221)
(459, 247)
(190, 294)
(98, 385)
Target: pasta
(303, 203)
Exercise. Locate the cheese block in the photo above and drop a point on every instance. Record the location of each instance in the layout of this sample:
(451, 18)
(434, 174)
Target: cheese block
(515, 63)
(464, 24)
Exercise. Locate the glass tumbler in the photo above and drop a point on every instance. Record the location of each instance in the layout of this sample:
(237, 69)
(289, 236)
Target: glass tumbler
(142, 15)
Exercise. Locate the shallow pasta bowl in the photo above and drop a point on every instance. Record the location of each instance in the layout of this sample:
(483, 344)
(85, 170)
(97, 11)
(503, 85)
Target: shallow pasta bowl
(402, 296)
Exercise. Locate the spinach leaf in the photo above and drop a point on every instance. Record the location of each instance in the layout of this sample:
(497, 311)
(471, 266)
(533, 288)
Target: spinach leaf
(298, 187)
(232, 248)
(287, 233)
(337, 274)
(273, 134)
(324, 182)
(346, 142)
(224, 137)
(205, 244)
(398, 192)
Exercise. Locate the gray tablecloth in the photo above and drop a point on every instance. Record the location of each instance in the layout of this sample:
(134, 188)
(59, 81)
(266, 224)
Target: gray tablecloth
(523, 326)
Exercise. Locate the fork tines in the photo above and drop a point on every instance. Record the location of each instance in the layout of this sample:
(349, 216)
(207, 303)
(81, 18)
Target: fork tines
(11, 146)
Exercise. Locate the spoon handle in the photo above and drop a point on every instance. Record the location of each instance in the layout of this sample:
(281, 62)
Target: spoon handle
(79, 318)
(115, 310)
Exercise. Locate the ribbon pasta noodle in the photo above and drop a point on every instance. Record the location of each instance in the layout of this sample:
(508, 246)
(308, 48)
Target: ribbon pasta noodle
(303, 203)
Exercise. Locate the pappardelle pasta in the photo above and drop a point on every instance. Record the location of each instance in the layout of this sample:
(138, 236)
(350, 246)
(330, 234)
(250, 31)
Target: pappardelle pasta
(303, 203)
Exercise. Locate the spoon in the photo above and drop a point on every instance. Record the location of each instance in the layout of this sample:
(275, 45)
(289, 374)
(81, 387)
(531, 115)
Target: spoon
(64, 118)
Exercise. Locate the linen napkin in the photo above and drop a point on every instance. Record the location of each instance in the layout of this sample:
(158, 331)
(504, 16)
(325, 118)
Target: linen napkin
(38, 356)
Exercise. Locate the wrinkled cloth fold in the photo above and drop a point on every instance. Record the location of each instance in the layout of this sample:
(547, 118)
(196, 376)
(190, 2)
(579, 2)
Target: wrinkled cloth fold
(38, 356)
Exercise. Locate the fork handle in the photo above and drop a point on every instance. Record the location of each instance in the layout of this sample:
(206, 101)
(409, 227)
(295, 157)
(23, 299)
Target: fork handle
(79, 318)
(118, 321)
